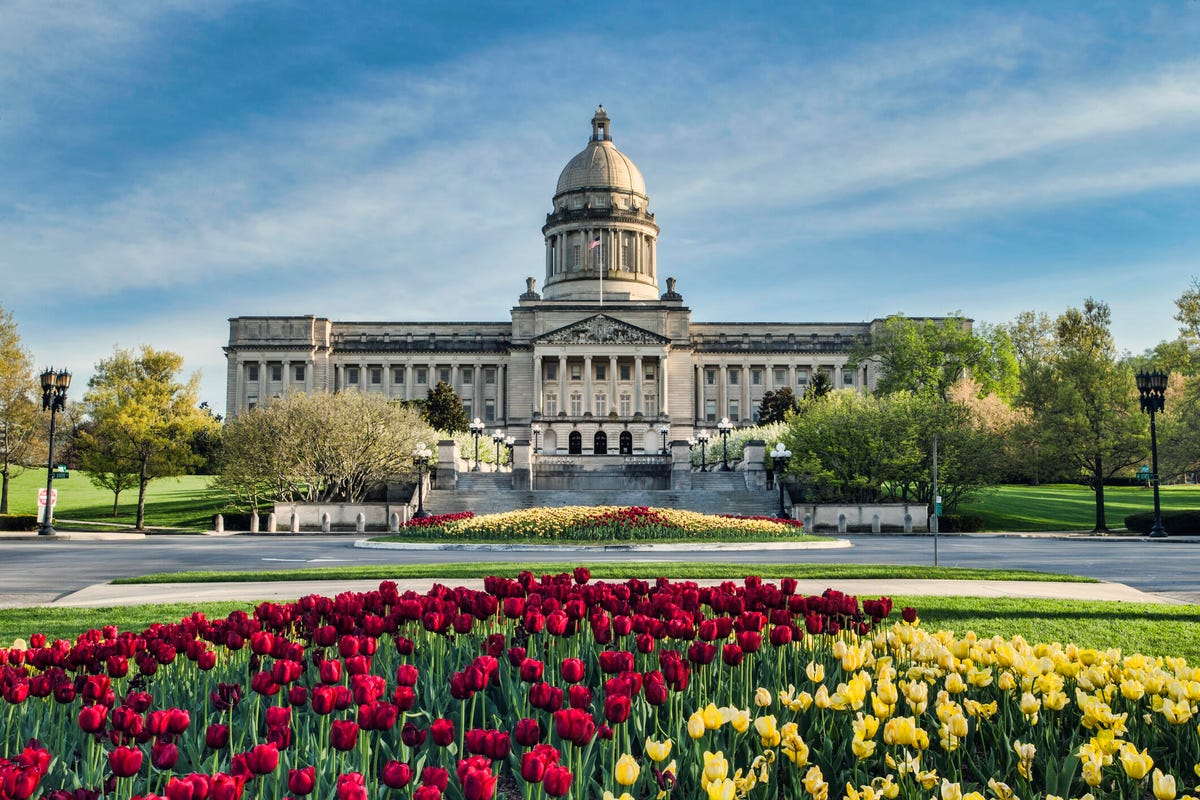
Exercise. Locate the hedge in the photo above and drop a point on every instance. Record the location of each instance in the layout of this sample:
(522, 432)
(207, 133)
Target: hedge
(960, 523)
(18, 522)
(1186, 521)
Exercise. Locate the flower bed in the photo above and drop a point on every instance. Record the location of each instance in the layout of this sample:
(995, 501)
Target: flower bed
(564, 687)
(606, 523)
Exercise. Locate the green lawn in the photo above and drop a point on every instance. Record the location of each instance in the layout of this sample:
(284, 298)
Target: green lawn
(186, 502)
(1065, 507)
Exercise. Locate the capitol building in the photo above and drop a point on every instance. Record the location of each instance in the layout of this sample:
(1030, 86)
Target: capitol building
(604, 359)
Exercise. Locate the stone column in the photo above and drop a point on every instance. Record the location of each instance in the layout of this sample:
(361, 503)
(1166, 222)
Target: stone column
(638, 370)
(339, 378)
(408, 381)
(837, 376)
(537, 384)
(612, 382)
(698, 380)
(587, 385)
(387, 379)
(663, 407)
(283, 384)
(723, 392)
(502, 392)
(562, 384)
(363, 385)
(744, 412)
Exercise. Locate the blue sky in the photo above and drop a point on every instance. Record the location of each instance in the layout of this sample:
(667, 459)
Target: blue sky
(168, 165)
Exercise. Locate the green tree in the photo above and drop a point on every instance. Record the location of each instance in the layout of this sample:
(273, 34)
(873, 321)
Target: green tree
(20, 423)
(776, 404)
(928, 356)
(820, 386)
(444, 409)
(1084, 402)
(144, 418)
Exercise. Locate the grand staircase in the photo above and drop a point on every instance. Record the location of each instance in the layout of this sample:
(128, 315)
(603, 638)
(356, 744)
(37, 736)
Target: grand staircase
(711, 493)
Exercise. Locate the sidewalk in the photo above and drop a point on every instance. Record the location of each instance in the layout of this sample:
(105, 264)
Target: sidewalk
(105, 594)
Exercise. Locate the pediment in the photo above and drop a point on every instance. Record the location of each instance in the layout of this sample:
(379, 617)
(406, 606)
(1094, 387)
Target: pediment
(600, 329)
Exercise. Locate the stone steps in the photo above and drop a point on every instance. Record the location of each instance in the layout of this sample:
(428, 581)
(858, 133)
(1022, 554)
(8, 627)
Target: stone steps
(493, 499)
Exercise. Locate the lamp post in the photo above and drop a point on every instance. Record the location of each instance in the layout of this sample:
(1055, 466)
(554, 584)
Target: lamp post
(509, 444)
(702, 440)
(665, 431)
(54, 399)
(421, 456)
(537, 435)
(779, 460)
(497, 440)
(476, 427)
(1151, 388)
(724, 427)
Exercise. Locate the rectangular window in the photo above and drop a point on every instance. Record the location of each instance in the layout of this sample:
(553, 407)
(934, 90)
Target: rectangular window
(710, 377)
(468, 376)
(847, 377)
(802, 377)
(398, 375)
(467, 409)
(625, 371)
(710, 410)
(625, 405)
(422, 375)
(376, 376)
(252, 403)
(551, 405)
(352, 376)
(576, 372)
(252, 372)
(489, 410)
(300, 373)
(489, 375)
(601, 372)
(649, 372)
(277, 372)
(649, 403)
(780, 376)
(576, 256)
(576, 405)
(735, 376)
(626, 256)
(733, 411)
(444, 374)
(756, 376)
(550, 371)
(601, 405)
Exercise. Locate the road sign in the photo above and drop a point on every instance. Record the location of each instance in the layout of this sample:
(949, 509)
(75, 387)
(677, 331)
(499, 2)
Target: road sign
(42, 502)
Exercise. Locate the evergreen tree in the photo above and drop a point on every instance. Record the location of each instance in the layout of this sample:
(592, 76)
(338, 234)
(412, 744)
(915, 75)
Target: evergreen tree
(444, 409)
(776, 404)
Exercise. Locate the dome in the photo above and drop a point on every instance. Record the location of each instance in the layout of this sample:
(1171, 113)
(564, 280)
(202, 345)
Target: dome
(601, 165)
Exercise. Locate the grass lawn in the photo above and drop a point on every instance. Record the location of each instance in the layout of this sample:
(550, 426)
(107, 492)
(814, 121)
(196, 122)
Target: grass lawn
(1132, 627)
(186, 502)
(647, 570)
(1066, 507)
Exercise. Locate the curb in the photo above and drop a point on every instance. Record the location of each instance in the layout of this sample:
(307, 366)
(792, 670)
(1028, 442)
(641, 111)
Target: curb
(837, 544)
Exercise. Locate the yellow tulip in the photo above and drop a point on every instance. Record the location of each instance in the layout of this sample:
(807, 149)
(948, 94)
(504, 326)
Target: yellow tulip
(794, 749)
(716, 768)
(658, 751)
(767, 731)
(1164, 786)
(958, 726)
(762, 698)
(1002, 790)
(627, 770)
(738, 718)
(815, 672)
(862, 748)
(1136, 765)
(865, 727)
(822, 699)
(928, 780)
(724, 789)
(900, 731)
(610, 796)
(1030, 706)
(955, 683)
(712, 717)
(951, 791)
(814, 783)
(695, 725)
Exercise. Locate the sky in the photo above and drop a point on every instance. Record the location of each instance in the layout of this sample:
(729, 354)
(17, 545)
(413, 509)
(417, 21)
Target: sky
(166, 166)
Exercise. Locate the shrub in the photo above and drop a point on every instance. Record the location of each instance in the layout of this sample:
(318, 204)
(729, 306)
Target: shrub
(1186, 521)
(960, 523)
(18, 522)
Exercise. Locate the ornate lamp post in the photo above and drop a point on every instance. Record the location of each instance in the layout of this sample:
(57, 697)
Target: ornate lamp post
(779, 460)
(421, 456)
(665, 431)
(476, 427)
(724, 427)
(537, 435)
(54, 399)
(1151, 388)
(702, 440)
(497, 440)
(509, 443)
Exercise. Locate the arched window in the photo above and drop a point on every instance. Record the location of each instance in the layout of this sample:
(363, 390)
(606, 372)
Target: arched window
(600, 443)
(575, 443)
(626, 443)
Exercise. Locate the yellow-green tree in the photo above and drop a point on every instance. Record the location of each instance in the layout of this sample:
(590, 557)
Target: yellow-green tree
(144, 418)
(20, 424)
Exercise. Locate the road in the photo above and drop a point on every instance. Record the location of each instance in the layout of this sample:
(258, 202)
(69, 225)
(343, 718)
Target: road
(33, 572)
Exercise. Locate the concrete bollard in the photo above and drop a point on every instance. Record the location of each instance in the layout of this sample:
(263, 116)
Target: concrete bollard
(908, 523)
(875, 526)
(841, 523)
(219, 523)
(325, 522)
(271, 522)
(254, 522)
(360, 522)
(394, 522)
(295, 522)
(808, 523)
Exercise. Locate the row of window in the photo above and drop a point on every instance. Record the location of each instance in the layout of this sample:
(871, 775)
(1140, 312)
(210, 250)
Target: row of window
(599, 372)
(780, 375)
(374, 376)
(600, 406)
(275, 373)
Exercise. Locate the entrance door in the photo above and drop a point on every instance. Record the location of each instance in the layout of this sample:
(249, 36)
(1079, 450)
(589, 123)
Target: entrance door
(626, 445)
(575, 443)
(600, 443)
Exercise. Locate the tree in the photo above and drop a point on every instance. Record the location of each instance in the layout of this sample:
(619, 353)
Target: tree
(820, 387)
(444, 409)
(776, 404)
(929, 356)
(20, 423)
(318, 448)
(144, 419)
(1084, 401)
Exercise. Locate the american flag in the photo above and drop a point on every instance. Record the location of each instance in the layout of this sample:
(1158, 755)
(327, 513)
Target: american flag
(595, 243)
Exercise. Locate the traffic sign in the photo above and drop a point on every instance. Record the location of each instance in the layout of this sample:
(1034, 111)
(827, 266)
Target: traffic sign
(42, 502)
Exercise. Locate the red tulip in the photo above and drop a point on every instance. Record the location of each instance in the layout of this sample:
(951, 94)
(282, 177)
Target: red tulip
(557, 780)
(216, 736)
(406, 675)
(527, 732)
(732, 654)
(435, 776)
(343, 734)
(617, 708)
(262, 759)
(580, 696)
(163, 755)
(330, 671)
(125, 761)
(411, 735)
(427, 792)
(92, 718)
(442, 731)
(351, 787)
(302, 781)
(396, 775)
(573, 670)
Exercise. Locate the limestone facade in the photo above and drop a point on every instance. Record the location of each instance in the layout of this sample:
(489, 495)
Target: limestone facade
(600, 362)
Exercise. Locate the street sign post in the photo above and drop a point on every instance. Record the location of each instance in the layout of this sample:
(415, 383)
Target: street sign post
(42, 502)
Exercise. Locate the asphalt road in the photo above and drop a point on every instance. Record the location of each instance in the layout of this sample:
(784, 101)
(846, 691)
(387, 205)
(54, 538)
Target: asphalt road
(33, 572)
